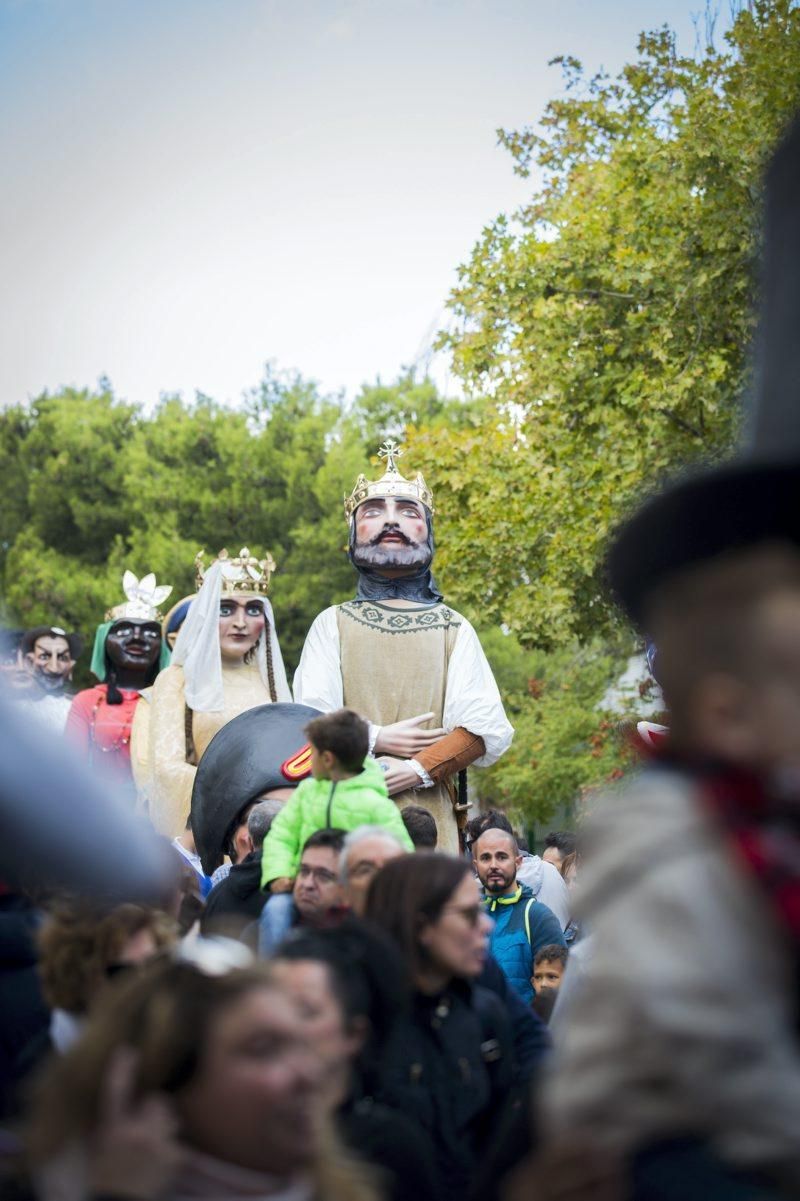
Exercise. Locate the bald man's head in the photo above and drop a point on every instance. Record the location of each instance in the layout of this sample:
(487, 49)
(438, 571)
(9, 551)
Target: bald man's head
(496, 857)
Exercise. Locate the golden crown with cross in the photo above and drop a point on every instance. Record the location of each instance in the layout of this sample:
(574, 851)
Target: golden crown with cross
(391, 483)
(243, 573)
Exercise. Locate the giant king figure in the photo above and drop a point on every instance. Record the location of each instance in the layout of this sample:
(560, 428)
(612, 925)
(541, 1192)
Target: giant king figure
(404, 660)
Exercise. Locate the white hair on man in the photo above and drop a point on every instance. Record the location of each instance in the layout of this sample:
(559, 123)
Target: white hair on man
(360, 835)
(260, 818)
(366, 849)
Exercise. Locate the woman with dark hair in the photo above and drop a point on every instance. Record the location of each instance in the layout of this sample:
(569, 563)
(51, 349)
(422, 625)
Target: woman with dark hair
(349, 987)
(448, 1062)
(195, 1081)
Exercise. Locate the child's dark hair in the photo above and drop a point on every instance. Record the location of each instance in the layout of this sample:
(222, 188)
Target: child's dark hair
(552, 953)
(421, 826)
(492, 819)
(565, 841)
(344, 734)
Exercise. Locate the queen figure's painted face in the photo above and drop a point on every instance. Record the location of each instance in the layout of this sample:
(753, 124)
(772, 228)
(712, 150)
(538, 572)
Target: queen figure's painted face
(241, 624)
(391, 534)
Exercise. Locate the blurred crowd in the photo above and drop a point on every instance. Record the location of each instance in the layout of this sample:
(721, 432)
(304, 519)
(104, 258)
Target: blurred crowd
(374, 1030)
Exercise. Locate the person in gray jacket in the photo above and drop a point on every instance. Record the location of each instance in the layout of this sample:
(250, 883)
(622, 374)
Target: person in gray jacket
(679, 1049)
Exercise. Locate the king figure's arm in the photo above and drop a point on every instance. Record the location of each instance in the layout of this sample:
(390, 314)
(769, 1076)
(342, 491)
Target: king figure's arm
(480, 732)
(318, 679)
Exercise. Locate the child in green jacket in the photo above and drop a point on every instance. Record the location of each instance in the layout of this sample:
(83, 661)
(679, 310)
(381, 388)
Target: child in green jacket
(346, 790)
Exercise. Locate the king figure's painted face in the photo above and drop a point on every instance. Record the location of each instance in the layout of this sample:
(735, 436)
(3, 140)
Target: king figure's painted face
(51, 662)
(241, 624)
(391, 533)
(134, 645)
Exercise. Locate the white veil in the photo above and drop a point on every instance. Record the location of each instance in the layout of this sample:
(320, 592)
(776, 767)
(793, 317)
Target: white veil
(197, 649)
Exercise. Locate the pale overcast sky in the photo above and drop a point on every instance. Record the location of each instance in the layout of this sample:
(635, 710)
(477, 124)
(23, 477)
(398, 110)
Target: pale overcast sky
(193, 187)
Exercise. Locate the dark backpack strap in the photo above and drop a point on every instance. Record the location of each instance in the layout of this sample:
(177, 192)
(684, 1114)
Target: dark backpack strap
(330, 806)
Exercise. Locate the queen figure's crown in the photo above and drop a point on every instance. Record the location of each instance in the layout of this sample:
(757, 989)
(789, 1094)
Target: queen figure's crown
(391, 483)
(242, 574)
(144, 597)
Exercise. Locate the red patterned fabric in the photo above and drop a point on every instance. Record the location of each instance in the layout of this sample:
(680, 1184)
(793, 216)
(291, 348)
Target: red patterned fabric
(764, 829)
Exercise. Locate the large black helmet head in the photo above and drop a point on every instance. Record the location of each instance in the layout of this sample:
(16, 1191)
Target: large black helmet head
(260, 751)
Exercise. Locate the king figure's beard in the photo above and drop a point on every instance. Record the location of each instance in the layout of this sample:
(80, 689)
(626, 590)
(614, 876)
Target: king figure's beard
(373, 554)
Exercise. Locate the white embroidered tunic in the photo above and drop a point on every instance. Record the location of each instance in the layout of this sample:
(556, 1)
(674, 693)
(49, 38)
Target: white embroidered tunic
(390, 662)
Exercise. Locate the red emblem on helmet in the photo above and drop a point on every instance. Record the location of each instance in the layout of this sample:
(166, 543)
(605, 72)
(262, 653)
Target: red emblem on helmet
(298, 766)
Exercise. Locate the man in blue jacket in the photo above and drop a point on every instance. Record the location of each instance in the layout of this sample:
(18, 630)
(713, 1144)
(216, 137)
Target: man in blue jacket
(522, 925)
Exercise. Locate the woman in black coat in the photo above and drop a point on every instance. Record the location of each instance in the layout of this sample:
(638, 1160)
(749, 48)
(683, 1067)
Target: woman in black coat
(448, 1062)
(349, 988)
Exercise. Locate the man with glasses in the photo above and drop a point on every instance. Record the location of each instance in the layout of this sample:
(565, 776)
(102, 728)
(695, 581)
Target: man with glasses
(317, 896)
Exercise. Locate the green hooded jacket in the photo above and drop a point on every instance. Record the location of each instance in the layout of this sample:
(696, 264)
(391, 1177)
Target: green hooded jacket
(324, 804)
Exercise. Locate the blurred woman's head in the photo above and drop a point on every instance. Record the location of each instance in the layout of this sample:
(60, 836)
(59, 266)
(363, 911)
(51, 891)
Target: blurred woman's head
(569, 869)
(81, 948)
(252, 1097)
(348, 984)
(227, 1050)
(430, 906)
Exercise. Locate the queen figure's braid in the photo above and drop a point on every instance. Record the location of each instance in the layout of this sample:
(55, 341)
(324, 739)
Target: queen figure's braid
(270, 672)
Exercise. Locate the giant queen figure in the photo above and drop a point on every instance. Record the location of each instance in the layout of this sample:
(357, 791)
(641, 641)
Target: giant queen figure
(226, 660)
(407, 662)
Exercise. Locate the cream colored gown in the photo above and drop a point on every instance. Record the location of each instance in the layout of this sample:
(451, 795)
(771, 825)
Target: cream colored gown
(170, 777)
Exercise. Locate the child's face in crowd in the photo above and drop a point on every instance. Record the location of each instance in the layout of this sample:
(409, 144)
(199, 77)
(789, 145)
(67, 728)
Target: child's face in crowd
(547, 974)
(318, 769)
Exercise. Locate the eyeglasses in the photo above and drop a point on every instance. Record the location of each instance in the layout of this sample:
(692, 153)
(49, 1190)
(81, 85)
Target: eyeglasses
(470, 913)
(322, 875)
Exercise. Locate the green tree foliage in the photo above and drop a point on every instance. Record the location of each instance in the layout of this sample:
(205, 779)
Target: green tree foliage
(92, 485)
(565, 744)
(609, 319)
(601, 334)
